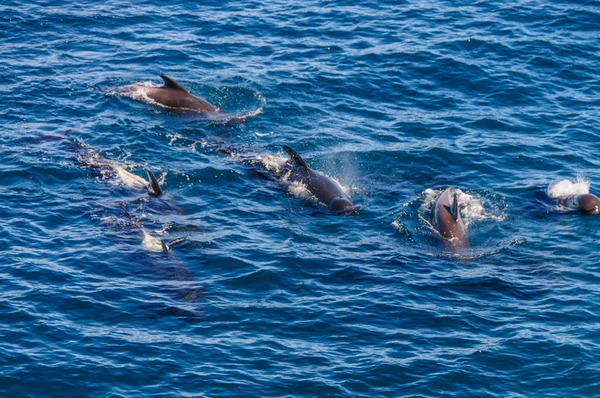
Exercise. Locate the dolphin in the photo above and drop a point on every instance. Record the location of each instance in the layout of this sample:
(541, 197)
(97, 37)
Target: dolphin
(108, 169)
(174, 95)
(325, 189)
(587, 204)
(150, 243)
(447, 220)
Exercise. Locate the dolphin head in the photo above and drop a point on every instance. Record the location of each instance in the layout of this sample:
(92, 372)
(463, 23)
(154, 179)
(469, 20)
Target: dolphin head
(589, 204)
(343, 205)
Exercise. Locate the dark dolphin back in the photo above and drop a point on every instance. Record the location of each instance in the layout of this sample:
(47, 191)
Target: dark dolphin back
(325, 189)
(447, 219)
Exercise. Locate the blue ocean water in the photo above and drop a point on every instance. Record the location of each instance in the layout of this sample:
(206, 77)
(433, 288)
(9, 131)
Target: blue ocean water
(270, 294)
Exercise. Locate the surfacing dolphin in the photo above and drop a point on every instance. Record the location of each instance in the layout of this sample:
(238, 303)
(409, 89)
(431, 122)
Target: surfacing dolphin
(173, 95)
(447, 220)
(325, 189)
(586, 204)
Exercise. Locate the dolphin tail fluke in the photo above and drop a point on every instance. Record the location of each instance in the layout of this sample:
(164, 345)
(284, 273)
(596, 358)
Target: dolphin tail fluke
(154, 188)
(170, 83)
(295, 157)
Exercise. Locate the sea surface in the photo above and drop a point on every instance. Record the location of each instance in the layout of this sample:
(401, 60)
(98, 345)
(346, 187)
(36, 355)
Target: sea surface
(270, 294)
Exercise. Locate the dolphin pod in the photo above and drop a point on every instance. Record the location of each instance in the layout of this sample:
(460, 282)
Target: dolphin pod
(447, 220)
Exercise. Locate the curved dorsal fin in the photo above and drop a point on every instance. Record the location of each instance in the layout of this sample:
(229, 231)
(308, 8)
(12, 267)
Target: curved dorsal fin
(295, 157)
(154, 188)
(170, 83)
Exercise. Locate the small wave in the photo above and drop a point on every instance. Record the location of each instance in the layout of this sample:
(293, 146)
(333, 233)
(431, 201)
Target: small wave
(276, 165)
(260, 135)
(565, 188)
(136, 91)
(471, 253)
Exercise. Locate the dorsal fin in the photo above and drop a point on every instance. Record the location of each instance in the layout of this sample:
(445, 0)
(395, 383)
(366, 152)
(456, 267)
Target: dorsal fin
(295, 157)
(452, 207)
(154, 188)
(170, 83)
(165, 247)
(455, 205)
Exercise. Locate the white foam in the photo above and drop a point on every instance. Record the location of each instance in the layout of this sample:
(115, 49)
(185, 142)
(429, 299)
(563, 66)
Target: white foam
(300, 190)
(263, 134)
(252, 113)
(272, 163)
(471, 208)
(429, 199)
(136, 91)
(275, 165)
(565, 188)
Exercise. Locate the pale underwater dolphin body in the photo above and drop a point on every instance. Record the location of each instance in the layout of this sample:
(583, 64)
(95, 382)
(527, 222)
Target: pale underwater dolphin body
(173, 95)
(586, 204)
(108, 169)
(447, 220)
(150, 243)
(325, 189)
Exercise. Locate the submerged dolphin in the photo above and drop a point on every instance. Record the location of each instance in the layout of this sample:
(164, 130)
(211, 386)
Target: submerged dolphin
(174, 95)
(447, 220)
(150, 242)
(325, 189)
(587, 204)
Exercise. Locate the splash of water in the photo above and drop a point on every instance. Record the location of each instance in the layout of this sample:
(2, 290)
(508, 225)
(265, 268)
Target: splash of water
(565, 188)
(472, 208)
